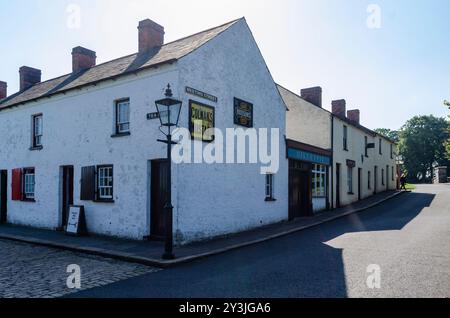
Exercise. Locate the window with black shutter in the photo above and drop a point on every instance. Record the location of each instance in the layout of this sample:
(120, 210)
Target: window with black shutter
(88, 177)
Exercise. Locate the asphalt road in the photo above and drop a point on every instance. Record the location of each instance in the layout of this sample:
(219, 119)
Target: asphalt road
(407, 238)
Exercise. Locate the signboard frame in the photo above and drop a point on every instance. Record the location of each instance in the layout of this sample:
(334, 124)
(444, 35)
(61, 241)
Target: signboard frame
(237, 118)
(191, 124)
(76, 222)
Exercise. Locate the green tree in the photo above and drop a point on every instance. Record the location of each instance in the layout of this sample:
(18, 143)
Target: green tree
(422, 145)
(388, 133)
(447, 143)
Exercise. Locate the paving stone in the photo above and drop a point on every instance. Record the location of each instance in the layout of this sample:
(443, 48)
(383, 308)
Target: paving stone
(28, 271)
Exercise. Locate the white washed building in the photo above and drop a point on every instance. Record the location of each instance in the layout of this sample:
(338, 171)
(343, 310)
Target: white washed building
(333, 160)
(85, 139)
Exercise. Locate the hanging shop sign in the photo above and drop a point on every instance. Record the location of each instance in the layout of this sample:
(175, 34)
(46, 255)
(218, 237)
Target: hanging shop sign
(351, 163)
(196, 92)
(308, 156)
(201, 118)
(243, 113)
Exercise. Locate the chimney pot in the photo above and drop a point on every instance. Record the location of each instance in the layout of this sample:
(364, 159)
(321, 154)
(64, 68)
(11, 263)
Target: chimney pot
(82, 59)
(151, 35)
(28, 77)
(339, 107)
(313, 95)
(354, 115)
(3, 90)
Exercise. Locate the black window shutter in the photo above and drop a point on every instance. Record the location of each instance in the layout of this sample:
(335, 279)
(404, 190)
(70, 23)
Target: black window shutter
(88, 183)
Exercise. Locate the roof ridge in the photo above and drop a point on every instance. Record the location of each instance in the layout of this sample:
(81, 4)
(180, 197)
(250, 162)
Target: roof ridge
(229, 24)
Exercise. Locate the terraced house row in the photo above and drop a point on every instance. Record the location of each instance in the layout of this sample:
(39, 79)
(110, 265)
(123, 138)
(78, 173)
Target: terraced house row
(89, 138)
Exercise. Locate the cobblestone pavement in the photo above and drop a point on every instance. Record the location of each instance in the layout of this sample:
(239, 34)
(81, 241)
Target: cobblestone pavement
(28, 271)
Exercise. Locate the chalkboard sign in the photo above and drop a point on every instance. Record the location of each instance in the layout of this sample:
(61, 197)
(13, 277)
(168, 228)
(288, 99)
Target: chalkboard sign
(76, 224)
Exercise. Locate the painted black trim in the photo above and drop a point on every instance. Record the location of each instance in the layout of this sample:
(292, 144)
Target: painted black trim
(236, 103)
(36, 148)
(118, 135)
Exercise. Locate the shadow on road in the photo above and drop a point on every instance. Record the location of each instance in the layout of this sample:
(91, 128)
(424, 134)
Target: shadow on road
(298, 265)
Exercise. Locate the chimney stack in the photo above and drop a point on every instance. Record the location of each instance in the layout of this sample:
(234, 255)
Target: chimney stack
(313, 95)
(82, 59)
(339, 107)
(151, 35)
(28, 77)
(3, 90)
(354, 115)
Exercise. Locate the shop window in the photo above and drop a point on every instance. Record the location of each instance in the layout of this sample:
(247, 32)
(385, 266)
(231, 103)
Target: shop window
(319, 181)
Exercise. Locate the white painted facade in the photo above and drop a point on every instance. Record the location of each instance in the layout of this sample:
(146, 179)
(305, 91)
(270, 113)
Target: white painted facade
(209, 200)
(356, 152)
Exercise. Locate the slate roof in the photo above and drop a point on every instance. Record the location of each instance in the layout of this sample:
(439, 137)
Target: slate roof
(168, 53)
(293, 100)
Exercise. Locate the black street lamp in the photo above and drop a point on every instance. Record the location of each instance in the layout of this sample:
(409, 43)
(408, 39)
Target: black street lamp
(169, 113)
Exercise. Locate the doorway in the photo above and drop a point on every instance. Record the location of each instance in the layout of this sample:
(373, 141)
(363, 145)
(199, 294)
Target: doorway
(66, 194)
(300, 192)
(3, 196)
(359, 184)
(159, 195)
(338, 185)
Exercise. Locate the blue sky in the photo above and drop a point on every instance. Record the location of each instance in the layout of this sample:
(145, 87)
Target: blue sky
(390, 73)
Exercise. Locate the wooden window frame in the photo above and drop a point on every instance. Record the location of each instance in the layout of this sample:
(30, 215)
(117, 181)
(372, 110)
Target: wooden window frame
(350, 179)
(345, 138)
(118, 132)
(27, 172)
(98, 197)
(34, 136)
(269, 187)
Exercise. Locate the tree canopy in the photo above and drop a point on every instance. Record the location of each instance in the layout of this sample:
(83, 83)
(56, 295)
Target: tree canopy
(422, 144)
(388, 133)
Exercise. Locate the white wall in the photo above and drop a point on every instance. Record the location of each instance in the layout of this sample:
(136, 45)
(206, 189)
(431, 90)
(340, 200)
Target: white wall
(77, 131)
(356, 153)
(220, 199)
(306, 122)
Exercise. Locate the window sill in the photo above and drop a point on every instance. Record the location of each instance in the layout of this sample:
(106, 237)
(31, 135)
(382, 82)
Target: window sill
(36, 148)
(350, 193)
(29, 200)
(118, 135)
(345, 149)
(270, 200)
(104, 201)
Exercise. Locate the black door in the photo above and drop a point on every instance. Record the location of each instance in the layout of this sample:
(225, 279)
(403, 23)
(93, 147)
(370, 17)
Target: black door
(359, 183)
(159, 191)
(338, 185)
(67, 194)
(300, 198)
(3, 196)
